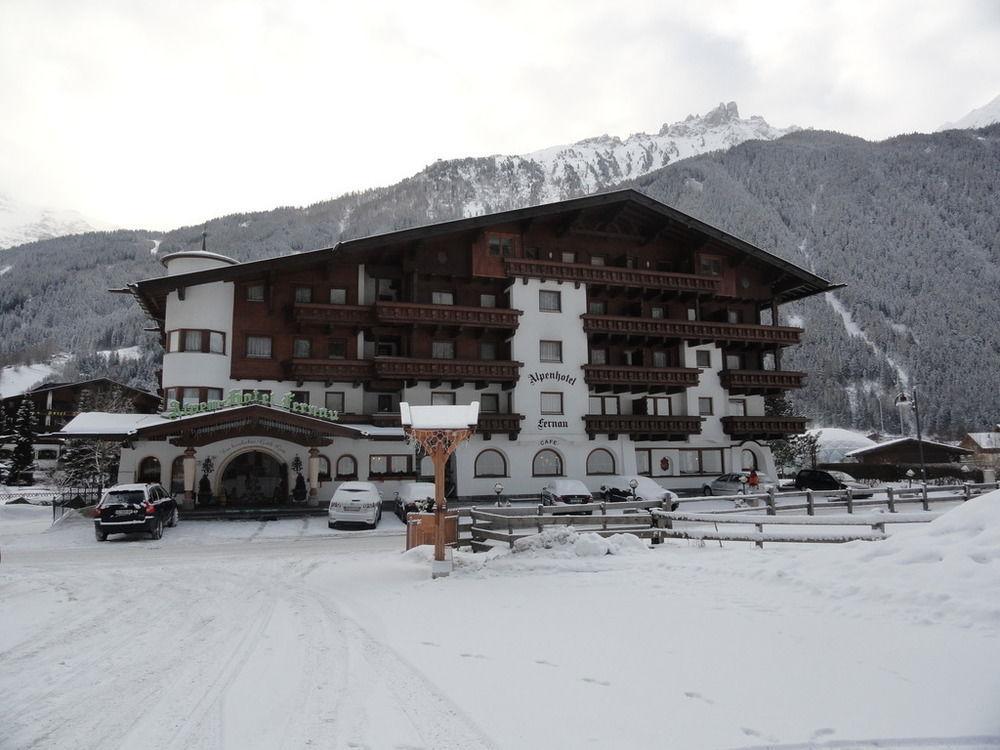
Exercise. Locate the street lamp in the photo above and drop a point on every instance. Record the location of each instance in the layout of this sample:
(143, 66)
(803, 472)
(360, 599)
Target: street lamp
(498, 488)
(633, 483)
(743, 483)
(910, 475)
(903, 401)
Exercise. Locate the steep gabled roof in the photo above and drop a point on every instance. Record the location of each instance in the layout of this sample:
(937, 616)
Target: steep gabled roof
(799, 283)
(903, 440)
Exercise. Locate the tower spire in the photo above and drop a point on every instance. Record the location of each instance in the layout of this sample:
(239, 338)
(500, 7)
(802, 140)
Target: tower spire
(204, 237)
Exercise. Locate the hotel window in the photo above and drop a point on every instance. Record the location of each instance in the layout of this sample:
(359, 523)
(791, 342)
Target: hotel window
(174, 341)
(347, 467)
(213, 394)
(600, 462)
(443, 298)
(692, 313)
(533, 253)
(191, 396)
(259, 347)
(547, 463)
(386, 349)
(710, 265)
(386, 403)
(192, 341)
(659, 406)
(388, 464)
(324, 469)
(487, 300)
(703, 358)
(734, 362)
(642, 461)
(501, 246)
(386, 290)
(705, 407)
(487, 350)
(598, 260)
(338, 296)
(598, 356)
(255, 293)
(660, 359)
(336, 349)
(442, 399)
(490, 463)
(551, 403)
(597, 307)
(549, 301)
(301, 397)
(303, 294)
(568, 257)
(334, 401)
(734, 316)
(550, 351)
(149, 470)
(489, 403)
(443, 350)
(216, 342)
(737, 407)
(302, 348)
(606, 405)
(656, 312)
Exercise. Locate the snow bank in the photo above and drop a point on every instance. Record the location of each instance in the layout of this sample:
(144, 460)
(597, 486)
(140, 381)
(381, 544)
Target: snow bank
(565, 542)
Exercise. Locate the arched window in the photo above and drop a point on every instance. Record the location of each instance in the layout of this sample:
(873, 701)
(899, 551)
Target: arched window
(547, 463)
(491, 463)
(177, 476)
(347, 468)
(749, 460)
(149, 470)
(324, 469)
(600, 461)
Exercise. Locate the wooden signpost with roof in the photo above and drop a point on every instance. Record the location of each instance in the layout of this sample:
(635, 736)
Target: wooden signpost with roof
(439, 430)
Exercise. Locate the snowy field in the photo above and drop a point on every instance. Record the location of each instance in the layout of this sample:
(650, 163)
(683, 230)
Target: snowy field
(288, 635)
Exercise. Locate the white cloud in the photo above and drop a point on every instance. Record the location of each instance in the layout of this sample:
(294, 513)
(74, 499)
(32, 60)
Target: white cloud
(161, 113)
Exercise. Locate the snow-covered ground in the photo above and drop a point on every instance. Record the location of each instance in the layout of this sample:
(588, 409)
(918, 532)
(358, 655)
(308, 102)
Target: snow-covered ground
(285, 634)
(16, 379)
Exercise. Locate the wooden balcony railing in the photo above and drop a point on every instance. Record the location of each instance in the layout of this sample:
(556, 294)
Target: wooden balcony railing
(694, 330)
(500, 423)
(447, 315)
(488, 371)
(638, 425)
(763, 428)
(759, 382)
(332, 370)
(640, 379)
(335, 315)
(611, 276)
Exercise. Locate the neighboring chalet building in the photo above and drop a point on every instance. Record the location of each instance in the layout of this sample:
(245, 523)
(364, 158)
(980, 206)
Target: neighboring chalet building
(906, 450)
(602, 335)
(985, 447)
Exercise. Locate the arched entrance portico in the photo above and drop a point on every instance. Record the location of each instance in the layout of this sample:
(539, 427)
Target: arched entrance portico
(254, 478)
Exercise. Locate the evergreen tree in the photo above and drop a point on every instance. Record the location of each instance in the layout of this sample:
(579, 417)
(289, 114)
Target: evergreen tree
(86, 462)
(25, 429)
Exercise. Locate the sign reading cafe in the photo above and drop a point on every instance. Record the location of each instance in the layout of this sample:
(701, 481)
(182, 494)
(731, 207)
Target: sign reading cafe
(238, 398)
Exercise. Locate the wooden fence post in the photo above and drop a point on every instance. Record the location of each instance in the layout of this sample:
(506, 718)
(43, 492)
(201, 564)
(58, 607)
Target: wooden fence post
(923, 488)
(770, 501)
(968, 491)
(810, 507)
(510, 532)
(604, 516)
(540, 514)
(850, 500)
(892, 500)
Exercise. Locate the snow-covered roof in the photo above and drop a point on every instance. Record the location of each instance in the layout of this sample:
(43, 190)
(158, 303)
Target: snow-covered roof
(834, 443)
(106, 423)
(887, 443)
(986, 440)
(439, 417)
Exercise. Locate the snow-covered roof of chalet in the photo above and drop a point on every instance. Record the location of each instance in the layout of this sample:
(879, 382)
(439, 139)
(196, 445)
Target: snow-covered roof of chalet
(439, 417)
(107, 424)
(81, 384)
(986, 440)
(898, 441)
(796, 282)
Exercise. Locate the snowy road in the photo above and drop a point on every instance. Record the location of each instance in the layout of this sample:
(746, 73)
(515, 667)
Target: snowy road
(283, 635)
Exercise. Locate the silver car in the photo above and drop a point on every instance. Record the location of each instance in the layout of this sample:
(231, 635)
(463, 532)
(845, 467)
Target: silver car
(730, 484)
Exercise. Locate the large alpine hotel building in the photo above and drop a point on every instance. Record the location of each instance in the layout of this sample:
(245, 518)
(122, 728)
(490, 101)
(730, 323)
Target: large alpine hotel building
(603, 335)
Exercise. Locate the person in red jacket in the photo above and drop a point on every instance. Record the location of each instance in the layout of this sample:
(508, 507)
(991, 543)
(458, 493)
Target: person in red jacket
(753, 481)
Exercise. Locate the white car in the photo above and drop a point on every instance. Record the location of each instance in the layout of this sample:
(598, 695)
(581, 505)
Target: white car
(414, 497)
(356, 502)
(730, 484)
(616, 489)
(565, 492)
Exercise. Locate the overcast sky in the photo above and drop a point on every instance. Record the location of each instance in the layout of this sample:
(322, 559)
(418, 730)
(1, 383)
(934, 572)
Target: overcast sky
(157, 114)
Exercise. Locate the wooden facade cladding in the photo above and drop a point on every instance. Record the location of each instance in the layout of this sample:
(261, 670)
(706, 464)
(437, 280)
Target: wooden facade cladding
(332, 370)
(354, 316)
(640, 379)
(759, 382)
(612, 276)
(455, 370)
(643, 427)
(763, 428)
(693, 330)
(408, 313)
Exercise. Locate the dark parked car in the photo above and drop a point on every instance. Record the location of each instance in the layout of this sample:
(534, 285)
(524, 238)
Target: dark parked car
(134, 508)
(818, 479)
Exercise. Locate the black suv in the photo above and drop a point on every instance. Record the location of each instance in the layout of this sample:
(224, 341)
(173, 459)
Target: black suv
(134, 508)
(817, 479)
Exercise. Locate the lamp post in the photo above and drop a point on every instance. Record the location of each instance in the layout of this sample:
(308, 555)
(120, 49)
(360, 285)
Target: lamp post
(498, 488)
(743, 484)
(910, 475)
(632, 483)
(903, 401)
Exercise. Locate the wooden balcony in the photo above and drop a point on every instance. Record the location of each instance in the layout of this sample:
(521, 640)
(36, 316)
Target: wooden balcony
(452, 370)
(332, 370)
(620, 379)
(408, 313)
(642, 427)
(760, 382)
(695, 331)
(352, 316)
(509, 424)
(763, 428)
(611, 276)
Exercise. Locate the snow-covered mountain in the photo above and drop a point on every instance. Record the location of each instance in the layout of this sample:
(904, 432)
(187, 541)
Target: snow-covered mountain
(21, 222)
(977, 118)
